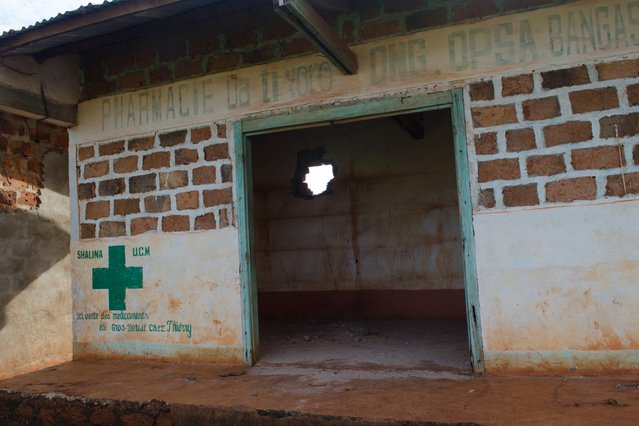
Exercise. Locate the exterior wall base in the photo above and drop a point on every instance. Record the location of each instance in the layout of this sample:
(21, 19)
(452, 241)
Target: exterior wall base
(208, 354)
(40, 364)
(562, 362)
(558, 296)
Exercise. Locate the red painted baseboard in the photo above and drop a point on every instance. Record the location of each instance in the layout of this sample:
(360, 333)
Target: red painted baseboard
(364, 304)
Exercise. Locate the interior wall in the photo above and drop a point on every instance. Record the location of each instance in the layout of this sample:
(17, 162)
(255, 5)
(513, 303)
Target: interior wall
(391, 222)
(35, 279)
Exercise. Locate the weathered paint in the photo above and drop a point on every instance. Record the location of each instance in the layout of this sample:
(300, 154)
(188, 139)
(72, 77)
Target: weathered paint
(562, 283)
(415, 100)
(188, 307)
(563, 362)
(547, 37)
(463, 173)
(244, 182)
(210, 354)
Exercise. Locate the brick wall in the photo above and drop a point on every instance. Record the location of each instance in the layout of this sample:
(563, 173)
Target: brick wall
(244, 33)
(557, 136)
(23, 145)
(165, 182)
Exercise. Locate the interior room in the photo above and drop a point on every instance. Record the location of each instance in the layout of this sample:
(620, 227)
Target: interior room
(358, 245)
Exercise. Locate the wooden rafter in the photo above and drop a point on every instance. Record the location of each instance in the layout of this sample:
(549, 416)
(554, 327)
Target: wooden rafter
(302, 16)
(411, 125)
(38, 107)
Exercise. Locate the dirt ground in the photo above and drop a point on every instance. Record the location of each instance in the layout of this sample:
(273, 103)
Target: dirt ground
(371, 344)
(375, 394)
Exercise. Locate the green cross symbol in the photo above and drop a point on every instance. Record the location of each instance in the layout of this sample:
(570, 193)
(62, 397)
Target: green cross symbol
(117, 278)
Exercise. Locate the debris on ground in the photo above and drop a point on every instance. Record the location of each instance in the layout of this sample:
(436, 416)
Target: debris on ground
(614, 402)
(626, 387)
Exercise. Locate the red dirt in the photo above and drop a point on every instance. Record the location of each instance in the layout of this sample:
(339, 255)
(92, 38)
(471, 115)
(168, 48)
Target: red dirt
(369, 394)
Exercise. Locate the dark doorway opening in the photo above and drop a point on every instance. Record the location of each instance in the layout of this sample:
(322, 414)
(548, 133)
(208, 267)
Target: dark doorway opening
(367, 273)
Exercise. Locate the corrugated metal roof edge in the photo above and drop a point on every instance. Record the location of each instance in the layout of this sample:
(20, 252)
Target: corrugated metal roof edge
(82, 10)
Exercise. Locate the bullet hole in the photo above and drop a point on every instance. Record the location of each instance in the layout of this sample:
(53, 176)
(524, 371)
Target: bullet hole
(314, 175)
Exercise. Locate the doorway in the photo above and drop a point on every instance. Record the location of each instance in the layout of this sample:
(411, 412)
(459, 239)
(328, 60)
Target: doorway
(364, 269)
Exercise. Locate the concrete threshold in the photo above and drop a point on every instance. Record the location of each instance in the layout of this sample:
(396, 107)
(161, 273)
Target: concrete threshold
(112, 392)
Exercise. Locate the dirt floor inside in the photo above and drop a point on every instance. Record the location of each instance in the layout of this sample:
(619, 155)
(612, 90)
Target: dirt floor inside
(366, 344)
(315, 395)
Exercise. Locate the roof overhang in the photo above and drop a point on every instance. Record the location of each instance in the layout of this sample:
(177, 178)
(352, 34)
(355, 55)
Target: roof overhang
(62, 33)
(94, 26)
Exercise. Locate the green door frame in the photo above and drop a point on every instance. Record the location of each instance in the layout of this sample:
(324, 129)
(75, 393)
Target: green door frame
(322, 114)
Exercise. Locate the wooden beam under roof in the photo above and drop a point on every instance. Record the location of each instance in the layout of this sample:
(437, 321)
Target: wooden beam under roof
(37, 107)
(301, 15)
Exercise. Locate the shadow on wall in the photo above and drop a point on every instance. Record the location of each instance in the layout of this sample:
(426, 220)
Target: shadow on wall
(31, 245)
(35, 240)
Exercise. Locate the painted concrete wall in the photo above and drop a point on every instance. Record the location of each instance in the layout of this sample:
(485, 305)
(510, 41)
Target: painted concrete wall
(156, 214)
(391, 222)
(182, 302)
(560, 292)
(35, 277)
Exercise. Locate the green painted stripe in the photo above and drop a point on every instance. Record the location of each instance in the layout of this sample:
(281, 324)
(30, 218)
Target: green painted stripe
(248, 290)
(355, 109)
(468, 234)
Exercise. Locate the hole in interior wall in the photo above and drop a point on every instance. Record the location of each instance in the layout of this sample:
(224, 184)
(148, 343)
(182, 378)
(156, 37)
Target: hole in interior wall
(314, 174)
(318, 178)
